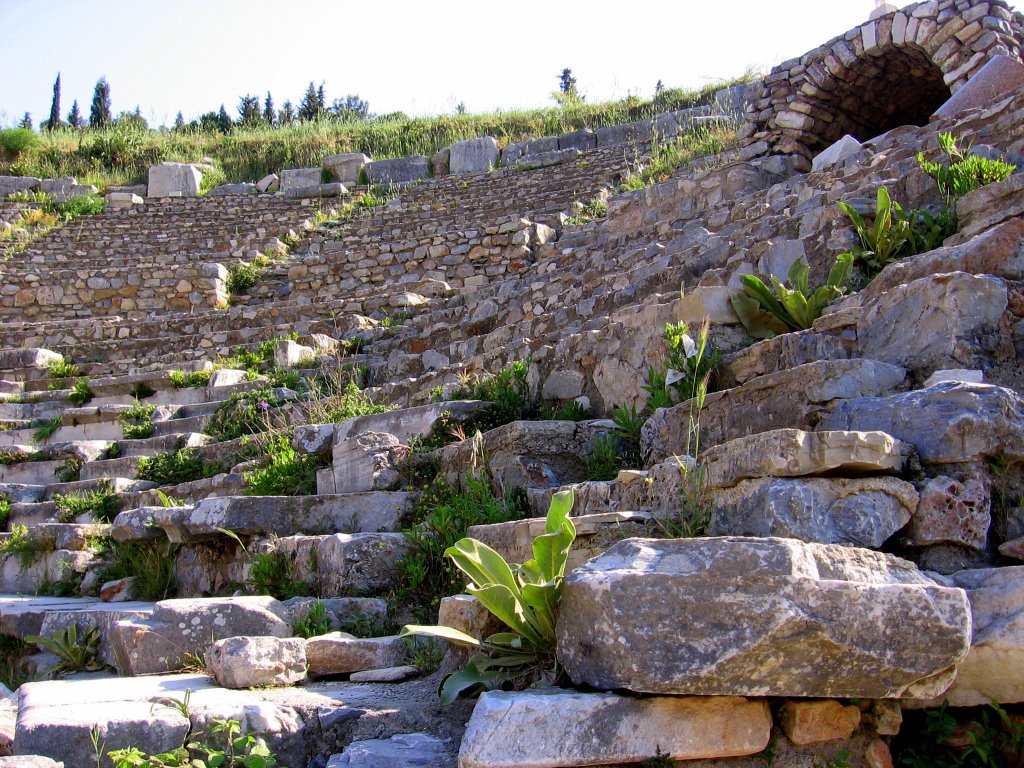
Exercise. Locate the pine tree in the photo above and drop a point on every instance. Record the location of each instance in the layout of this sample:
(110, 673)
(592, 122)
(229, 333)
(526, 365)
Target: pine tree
(310, 106)
(223, 120)
(287, 114)
(54, 122)
(26, 121)
(75, 119)
(567, 85)
(268, 110)
(99, 112)
(179, 122)
(249, 110)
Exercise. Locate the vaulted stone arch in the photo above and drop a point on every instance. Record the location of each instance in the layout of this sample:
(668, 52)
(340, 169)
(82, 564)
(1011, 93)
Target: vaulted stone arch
(890, 71)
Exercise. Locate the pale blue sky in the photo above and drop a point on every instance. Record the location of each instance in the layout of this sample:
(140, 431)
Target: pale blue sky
(418, 57)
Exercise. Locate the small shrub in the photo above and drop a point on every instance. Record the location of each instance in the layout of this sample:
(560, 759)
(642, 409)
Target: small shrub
(508, 391)
(603, 462)
(63, 369)
(80, 205)
(245, 274)
(80, 393)
(102, 504)
(137, 421)
(13, 651)
(24, 546)
(570, 411)
(314, 622)
(182, 380)
(963, 172)
(14, 142)
(181, 466)
(150, 563)
(765, 313)
(284, 472)
(5, 511)
(70, 469)
(336, 400)
(244, 413)
(273, 573)
(588, 212)
(689, 364)
(73, 654)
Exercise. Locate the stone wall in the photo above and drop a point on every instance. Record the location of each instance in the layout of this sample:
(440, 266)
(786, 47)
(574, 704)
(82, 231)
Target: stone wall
(890, 71)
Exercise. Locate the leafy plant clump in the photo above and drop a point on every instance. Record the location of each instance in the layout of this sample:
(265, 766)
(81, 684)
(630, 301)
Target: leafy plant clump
(63, 369)
(992, 737)
(669, 156)
(766, 313)
(314, 622)
(181, 466)
(963, 172)
(523, 597)
(102, 504)
(24, 546)
(284, 471)
(508, 391)
(74, 654)
(440, 519)
(149, 563)
(603, 462)
(44, 429)
(183, 380)
(588, 212)
(274, 573)
(689, 363)
(80, 393)
(137, 421)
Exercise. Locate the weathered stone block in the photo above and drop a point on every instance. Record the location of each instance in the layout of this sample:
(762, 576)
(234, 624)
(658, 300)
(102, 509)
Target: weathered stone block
(554, 728)
(477, 155)
(402, 170)
(764, 617)
(845, 148)
(812, 722)
(337, 653)
(174, 180)
(300, 180)
(346, 168)
(1001, 75)
(246, 662)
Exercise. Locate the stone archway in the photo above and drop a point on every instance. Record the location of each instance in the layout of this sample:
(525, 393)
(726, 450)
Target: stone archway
(891, 71)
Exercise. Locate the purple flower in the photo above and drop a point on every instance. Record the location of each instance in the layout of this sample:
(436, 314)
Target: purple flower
(264, 406)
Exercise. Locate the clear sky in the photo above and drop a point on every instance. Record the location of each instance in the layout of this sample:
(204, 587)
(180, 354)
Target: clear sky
(418, 57)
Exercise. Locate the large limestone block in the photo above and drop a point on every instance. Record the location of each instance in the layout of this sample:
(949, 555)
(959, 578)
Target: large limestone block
(844, 148)
(763, 617)
(477, 155)
(791, 398)
(994, 667)
(796, 453)
(347, 167)
(554, 728)
(246, 662)
(950, 422)
(951, 512)
(338, 653)
(9, 184)
(402, 170)
(301, 180)
(858, 512)
(370, 461)
(291, 354)
(1001, 76)
(174, 180)
(934, 322)
(191, 626)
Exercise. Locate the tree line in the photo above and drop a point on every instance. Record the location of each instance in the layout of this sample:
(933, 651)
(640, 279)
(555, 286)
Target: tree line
(252, 112)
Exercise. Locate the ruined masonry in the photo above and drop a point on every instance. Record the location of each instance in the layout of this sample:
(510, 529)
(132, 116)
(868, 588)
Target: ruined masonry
(863, 553)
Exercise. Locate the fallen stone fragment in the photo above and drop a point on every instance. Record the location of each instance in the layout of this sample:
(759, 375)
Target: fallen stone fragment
(812, 722)
(338, 653)
(795, 453)
(764, 617)
(555, 728)
(246, 662)
(836, 153)
(386, 675)
(859, 512)
(406, 750)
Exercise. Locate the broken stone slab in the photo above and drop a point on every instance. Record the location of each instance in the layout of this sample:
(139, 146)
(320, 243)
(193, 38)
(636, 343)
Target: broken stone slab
(544, 159)
(948, 423)
(555, 728)
(174, 180)
(242, 188)
(861, 512)
(281, 515)
(300, 179)
(478, 155)
(813, 722)
(843, 149)
(190, 626)
(764, 617)
(791, 398)
(338, 653)
(402, 170)
(994, 667)
(351, 564)
(594, 534)
(347, 167)
(386, 675)
(934, 322)
(439, 162)
(624, 133)
(369, 461)
(269, 183)
(29, 357)
(1000, 76)
(22, 615)
(951, 512)
(9, 184)
(404, 750)
(581, 140)
(996, 203)
(796, 453)
(964, 375)
(290, 354)
(102, 616)
(247, 662)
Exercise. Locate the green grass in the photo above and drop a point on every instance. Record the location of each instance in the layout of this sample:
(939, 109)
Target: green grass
(284, 471)
(44, 429)
(137, 421)
(101, 503)
(151, 563)
(121, 154)
(182, 380)
(181, 466)
(666, 158)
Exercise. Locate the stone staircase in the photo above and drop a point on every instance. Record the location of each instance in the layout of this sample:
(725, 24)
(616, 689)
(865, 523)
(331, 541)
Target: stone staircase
(860, 485)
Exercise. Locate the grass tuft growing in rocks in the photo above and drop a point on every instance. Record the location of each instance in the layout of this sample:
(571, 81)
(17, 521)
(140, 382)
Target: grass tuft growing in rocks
(149, 563)
(181, 466)
(102, 504)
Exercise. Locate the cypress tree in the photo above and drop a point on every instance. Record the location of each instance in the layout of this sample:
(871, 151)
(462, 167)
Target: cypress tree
(268, 110)
(54, 122)
(75, 119)
(99, 112)
(26, 121)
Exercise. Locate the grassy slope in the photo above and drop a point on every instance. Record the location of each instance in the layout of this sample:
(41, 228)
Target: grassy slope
(120, 155)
